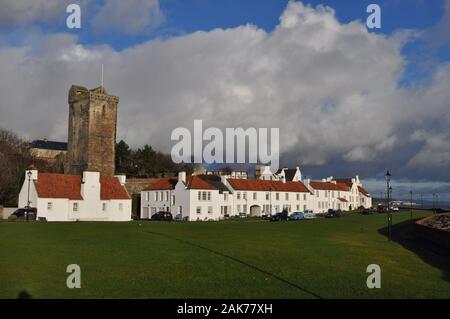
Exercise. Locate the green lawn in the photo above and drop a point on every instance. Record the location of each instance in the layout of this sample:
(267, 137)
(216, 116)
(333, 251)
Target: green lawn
(235, 259)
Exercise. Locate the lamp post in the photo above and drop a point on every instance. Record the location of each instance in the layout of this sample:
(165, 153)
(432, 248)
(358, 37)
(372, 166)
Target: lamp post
(434, 203)
(411, 204)
(29, 173)
(388, 189)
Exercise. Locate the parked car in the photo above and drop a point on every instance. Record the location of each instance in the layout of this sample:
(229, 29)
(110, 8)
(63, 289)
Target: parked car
(278, 217)
(395, 209)
(297, 216)
(162, 217)
(309, 214)
(333, 214)
(242, 215)
(180, 218)
(21, 213)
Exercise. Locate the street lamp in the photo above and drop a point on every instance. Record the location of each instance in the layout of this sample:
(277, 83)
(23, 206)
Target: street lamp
(434, 203)
(411, 204)
(29, 173)
(388, 188)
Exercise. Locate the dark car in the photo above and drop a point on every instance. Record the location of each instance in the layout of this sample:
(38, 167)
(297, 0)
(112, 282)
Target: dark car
(333, 214)
(162, 217)
(368, 211)
(21, 213)
(278, 217)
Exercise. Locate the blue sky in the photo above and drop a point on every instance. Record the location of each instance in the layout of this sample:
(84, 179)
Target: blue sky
(186, 16)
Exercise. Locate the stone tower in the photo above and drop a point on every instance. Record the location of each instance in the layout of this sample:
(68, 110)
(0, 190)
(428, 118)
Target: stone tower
(92, 131)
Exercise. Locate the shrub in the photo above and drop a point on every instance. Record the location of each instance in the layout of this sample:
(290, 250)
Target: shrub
(12, 218)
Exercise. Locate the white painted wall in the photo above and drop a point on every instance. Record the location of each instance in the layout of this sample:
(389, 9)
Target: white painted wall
(89, 209)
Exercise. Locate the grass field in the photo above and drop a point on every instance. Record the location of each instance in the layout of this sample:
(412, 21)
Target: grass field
(235, 259)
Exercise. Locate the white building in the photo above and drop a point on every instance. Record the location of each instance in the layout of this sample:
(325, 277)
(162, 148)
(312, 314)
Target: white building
(91, 197)
(339, 194)
(210, 197)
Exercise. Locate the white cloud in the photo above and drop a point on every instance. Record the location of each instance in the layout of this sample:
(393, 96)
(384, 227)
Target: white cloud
(20, 12)
(129, 17)
(331, 88)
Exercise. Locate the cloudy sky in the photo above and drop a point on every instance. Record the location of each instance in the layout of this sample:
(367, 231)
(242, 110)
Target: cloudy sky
(346, 99)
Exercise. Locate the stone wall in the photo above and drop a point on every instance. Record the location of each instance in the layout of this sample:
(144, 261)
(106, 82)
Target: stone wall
(434, 228)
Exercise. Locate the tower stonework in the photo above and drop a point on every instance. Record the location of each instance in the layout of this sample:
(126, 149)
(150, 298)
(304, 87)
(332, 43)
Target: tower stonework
(92, 131)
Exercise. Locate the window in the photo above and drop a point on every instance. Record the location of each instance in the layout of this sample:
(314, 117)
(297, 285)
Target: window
(120, 207)
(277, 196)
(267, 196)
(173, 200)
(199, 210)
(245, 208)
(209, 196)
(304, 197)
(210, 210)
(199, 196)
(75, 207)
(147, 196)
(298, 196)
(156, 196)
(255, 196)
(244, 196)
(225, 196)
(203, 196)
(317, 193)
(167, 197)
(287, 196)
(161, 198)
(153, 210)
(104, 207)
(49, 206)
(238, 195)
(238, 207)
(298, 207)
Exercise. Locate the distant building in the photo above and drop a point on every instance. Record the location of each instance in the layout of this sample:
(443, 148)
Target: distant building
(90, 197)
(48, 150)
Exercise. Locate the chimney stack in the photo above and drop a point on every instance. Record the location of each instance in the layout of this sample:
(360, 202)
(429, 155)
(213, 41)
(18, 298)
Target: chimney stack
(182, 177)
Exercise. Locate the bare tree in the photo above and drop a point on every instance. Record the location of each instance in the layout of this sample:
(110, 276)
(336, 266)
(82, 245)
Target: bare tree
(15, 158)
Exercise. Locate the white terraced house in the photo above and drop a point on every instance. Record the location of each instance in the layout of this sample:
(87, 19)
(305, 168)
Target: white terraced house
(340, 194)
(213, 197)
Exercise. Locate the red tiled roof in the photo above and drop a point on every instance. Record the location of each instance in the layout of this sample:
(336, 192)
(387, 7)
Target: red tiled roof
(166, 183)
(110, 188)
(197, 182)
(363, 191)
(69, 186)
(343, 200)
(58, 186)
(263, 185)
(328, 186)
